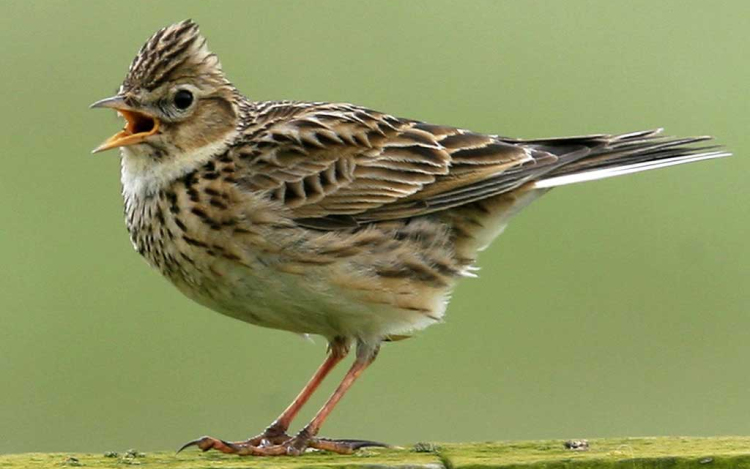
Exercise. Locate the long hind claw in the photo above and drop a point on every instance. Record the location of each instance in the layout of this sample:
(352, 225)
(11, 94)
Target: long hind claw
(343, 446)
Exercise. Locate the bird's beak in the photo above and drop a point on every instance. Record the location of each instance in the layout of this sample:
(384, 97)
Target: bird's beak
(139, 125)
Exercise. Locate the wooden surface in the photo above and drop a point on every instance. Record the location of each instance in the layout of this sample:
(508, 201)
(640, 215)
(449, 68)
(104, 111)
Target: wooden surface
(635, 453)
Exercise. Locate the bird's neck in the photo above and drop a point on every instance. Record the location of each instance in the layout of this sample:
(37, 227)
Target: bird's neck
(145, 180)
(142, 176)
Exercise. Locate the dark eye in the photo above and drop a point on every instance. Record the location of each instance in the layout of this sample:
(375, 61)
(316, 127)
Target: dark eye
(183, 99)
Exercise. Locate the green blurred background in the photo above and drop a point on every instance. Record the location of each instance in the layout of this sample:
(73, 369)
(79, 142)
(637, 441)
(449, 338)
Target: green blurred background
(612, 308)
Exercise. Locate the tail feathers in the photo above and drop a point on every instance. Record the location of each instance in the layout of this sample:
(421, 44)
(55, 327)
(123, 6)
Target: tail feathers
(608, 172)
(628, 154)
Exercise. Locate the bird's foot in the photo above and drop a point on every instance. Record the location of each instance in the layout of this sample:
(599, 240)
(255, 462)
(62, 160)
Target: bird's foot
(279, 445)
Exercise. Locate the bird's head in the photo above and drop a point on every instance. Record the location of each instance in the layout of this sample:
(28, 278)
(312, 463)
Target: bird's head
(175, 99)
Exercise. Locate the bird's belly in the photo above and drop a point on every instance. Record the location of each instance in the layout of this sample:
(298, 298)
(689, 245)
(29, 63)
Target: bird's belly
(319, 301)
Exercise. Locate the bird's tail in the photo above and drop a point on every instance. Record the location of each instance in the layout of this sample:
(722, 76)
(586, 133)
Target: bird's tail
(616, 155)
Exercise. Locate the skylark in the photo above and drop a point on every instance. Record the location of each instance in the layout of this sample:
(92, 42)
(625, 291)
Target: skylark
(328, 219)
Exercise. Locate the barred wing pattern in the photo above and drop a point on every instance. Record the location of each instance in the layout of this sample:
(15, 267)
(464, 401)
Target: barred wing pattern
(339, 165)
(346, 164)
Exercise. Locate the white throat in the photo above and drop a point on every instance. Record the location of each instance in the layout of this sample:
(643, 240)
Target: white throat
(142, 176)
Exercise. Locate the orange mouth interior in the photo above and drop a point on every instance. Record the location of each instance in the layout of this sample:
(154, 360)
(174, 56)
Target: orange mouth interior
(138, 127)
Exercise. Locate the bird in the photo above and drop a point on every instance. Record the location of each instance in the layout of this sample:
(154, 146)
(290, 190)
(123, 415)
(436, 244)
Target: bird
(328, 219)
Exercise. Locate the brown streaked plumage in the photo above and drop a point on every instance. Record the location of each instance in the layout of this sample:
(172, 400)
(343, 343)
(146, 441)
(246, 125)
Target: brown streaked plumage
(321, 218)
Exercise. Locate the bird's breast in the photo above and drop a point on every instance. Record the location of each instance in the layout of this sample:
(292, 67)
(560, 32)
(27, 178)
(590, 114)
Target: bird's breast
(255, 265)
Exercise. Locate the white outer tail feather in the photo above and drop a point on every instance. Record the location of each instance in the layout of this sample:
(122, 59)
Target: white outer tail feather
(604, 173)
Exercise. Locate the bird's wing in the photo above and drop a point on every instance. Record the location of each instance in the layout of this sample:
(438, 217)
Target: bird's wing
(336, 165)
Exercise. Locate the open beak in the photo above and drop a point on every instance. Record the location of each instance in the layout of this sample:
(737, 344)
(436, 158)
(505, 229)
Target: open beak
(138, 127)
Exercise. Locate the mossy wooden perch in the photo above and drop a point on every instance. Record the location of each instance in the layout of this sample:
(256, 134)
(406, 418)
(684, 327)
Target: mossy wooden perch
(635, 453)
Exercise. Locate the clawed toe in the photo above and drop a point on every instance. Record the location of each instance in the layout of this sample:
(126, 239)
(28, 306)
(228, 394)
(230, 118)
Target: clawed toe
(261, 447)
(274, 446)
(343, 446)
(258, 446)
(206, 443)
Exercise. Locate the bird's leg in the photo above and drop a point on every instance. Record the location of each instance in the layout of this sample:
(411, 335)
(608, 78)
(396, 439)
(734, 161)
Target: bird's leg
(275, 433)
(278, 444)
(307, 437)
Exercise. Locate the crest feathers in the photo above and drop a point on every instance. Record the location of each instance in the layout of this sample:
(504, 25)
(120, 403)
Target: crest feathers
(171, 53)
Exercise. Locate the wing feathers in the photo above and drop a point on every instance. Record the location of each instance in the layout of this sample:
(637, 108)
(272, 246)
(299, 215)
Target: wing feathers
(335, 165)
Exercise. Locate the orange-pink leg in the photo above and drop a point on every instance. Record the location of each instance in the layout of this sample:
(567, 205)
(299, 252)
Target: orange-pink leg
(275, 442)
(359, 365)
(337, 351)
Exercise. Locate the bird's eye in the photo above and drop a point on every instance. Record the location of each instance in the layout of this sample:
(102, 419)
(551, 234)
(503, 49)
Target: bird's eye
(183, 99)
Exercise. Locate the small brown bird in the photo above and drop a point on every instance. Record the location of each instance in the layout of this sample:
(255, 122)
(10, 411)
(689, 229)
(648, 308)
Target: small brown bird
(328, 219)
